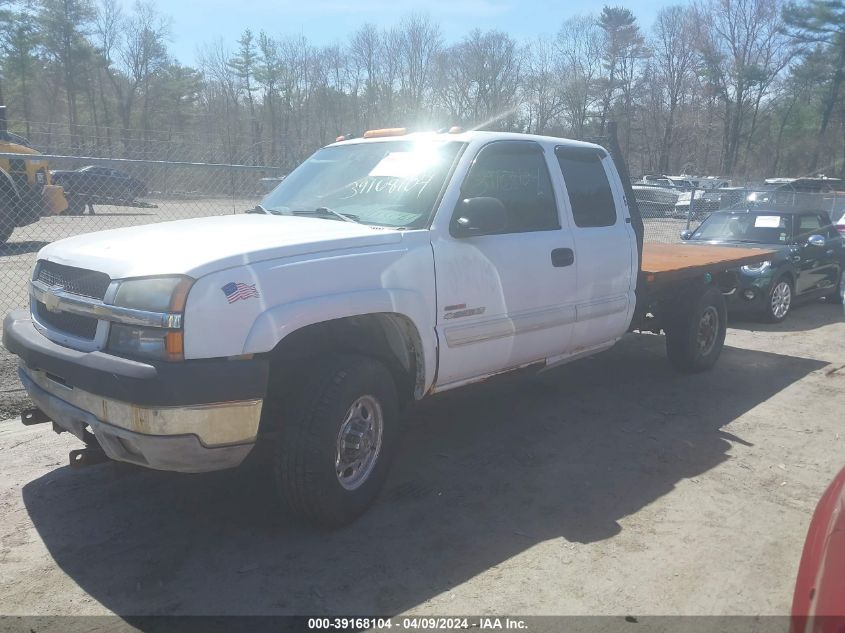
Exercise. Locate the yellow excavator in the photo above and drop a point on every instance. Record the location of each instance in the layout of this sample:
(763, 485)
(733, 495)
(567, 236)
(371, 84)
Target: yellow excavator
(26, 191)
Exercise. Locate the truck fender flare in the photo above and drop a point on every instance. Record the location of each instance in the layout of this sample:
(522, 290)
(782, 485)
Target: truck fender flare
(278, 322)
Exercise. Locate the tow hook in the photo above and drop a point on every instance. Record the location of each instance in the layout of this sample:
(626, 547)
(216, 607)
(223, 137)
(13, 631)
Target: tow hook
(33, 416)
(92, 453)
(88, 456)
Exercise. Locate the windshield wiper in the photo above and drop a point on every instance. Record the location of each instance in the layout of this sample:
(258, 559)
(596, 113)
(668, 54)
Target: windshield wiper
(258, 209)
(326, 211)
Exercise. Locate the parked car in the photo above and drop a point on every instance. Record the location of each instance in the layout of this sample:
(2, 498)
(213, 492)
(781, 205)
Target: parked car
(818, 605)
(654, 201)
(807, 265)
(96, 183)
(840, 226)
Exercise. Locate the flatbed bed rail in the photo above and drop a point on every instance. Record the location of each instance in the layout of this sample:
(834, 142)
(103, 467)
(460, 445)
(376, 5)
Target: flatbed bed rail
(666, 263)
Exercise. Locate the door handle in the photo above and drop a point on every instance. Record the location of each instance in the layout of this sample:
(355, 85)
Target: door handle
(562, 257)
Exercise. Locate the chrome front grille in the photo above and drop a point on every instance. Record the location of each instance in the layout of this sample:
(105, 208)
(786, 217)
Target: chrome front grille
(67, 323)
(78, 281)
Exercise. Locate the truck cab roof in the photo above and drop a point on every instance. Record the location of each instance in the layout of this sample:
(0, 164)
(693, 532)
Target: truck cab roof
(472, 136)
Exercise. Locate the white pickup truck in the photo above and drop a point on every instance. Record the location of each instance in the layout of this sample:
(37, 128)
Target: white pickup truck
(382, 270)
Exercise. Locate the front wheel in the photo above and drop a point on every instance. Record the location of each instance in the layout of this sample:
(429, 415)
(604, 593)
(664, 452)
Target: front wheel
(695, 333)
(337, 439)
(779, 300)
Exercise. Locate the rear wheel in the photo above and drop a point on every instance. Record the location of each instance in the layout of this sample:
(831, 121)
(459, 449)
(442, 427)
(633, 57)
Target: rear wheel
(779, 301)
(337, 439)
(695, 333)
(75, 206)
(7, 216)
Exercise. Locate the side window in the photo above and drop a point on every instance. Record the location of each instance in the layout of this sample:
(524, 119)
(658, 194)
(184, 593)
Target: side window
(808, 225)
(515, 172)
(588, 187)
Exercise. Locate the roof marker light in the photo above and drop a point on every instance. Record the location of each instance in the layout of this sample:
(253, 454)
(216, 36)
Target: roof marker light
(388, 131)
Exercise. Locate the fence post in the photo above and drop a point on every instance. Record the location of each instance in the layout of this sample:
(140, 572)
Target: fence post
(689, 209)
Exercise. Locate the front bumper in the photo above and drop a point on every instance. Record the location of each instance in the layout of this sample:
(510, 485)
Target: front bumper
(192, 416)
(758, 286)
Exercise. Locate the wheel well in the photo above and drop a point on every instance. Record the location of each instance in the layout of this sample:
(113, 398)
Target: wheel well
(388, 337)
(789, 275)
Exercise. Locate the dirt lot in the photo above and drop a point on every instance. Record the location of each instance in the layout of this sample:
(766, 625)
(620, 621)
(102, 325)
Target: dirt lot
(608, 486)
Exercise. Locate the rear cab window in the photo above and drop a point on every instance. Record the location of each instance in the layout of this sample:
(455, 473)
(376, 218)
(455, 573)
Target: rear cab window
(588, 187)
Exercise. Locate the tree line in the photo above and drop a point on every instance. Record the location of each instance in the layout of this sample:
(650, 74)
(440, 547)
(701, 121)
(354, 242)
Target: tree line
(743, 88)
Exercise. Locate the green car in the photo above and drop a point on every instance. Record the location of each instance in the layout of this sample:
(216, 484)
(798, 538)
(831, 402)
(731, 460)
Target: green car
(808, 263)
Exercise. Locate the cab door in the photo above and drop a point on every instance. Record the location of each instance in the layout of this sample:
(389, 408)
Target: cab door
(605, 246)
(506, 281)
(819, 264)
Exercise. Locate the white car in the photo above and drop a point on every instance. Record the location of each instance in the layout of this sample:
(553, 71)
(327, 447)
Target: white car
(381, 270)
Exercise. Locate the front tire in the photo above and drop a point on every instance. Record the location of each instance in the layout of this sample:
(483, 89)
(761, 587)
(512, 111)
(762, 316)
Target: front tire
(779, 300)
(695, 333)
(337, 440)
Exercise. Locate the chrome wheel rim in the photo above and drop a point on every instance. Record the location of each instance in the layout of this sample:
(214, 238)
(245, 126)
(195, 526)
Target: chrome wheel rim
(708, 330)
(359, 442)
(781, 299)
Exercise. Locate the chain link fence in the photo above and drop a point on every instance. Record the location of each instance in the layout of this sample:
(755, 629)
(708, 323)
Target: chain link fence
(103, 194)
(668, 211)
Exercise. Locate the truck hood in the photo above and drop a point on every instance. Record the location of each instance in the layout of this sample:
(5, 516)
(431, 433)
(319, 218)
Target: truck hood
(199, 246)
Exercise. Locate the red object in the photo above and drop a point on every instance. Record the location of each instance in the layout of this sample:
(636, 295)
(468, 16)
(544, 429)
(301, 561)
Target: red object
(818, 605)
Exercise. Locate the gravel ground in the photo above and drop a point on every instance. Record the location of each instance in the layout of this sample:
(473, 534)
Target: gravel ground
(608, 486)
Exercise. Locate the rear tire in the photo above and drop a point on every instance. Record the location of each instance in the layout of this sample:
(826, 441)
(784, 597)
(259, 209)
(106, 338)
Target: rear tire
(695, 333)
(338, 436)
(75, 206)
(7, 216)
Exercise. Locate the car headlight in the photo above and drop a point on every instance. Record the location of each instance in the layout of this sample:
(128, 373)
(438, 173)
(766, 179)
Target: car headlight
(756, 269)
(153, 294)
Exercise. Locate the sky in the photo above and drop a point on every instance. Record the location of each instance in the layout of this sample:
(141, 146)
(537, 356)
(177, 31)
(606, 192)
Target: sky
(198, 22)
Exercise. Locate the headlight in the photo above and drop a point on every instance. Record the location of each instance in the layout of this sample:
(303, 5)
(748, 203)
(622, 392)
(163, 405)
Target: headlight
(756, 269)
(153, 294)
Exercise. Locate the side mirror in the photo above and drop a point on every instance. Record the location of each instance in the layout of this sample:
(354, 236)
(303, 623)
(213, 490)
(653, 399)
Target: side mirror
(816, 240)
(479, 216)
(685, 235)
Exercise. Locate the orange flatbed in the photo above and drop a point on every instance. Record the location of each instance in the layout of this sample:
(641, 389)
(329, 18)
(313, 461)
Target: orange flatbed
(673, 262)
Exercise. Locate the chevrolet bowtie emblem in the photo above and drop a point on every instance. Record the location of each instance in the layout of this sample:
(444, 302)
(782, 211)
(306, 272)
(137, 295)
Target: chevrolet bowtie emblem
(51, 301)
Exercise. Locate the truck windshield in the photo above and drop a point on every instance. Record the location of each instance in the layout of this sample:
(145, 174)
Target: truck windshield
(756, 228)
(392, 183)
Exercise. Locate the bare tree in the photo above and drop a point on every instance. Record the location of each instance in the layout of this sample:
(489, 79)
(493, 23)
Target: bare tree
(674, 59)
(479, 80)
(579, 41)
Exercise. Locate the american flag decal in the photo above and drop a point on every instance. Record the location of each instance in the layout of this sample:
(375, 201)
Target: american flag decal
(235, 291)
